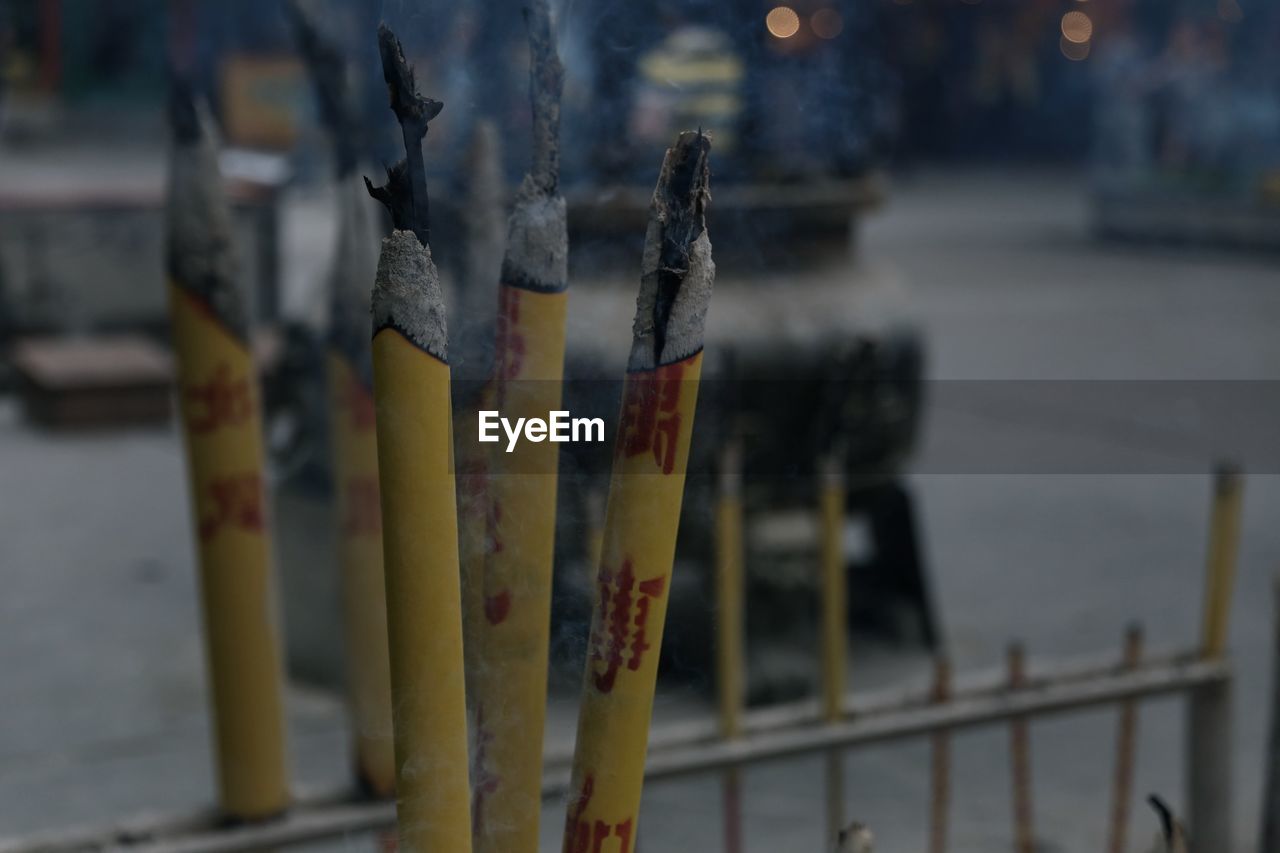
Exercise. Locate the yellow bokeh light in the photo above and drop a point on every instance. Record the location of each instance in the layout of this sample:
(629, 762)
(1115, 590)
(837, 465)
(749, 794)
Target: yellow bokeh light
(826, 23)
(1077, 27)
(782, 21)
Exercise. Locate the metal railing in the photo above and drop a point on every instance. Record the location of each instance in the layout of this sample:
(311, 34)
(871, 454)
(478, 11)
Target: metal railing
(827, 725)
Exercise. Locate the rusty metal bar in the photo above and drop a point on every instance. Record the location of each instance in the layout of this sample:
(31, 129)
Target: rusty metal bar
(730, 629)
(1020, 759)
(1126, 746)
(940, 770)
(835, 624)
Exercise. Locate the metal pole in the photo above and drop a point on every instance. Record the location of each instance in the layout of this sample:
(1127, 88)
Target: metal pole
(1220, 565)
(835, 629)
(730, 637)
(1270, 842)
(1020, 754)
(940, 787)
(1126, 739)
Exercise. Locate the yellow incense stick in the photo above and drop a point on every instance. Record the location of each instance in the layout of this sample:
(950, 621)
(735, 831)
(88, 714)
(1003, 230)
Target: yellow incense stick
(358, 511)
(222, 426)
(354, 449)
(512, 632)
(650, 458)
(411, 384)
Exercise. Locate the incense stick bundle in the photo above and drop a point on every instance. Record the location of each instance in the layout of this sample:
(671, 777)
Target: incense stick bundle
(420, 531)
(511, 634)
(354, 448)
(222, 428)
(650, 458)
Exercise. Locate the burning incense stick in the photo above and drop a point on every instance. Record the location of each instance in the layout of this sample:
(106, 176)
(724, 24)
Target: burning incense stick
(650, 456)
(420, 530)
(512, 634)
(223, 430)
(355, 446)
(485, 226)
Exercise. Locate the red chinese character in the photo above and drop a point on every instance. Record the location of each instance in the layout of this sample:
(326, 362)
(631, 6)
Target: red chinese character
(236, 502)
(363, 507)
(218, 402)
(651, 417)
(486, 781)
(509, 345)
(615, 624)
(584, 836)
(497, 604)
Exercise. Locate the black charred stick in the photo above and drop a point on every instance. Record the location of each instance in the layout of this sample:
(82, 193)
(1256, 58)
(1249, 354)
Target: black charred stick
(405, 193)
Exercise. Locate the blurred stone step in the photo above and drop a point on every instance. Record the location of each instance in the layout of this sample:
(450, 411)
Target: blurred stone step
(107, 381)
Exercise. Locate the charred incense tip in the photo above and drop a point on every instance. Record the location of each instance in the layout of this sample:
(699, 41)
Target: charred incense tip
(405, 194)
(412, 109)
(677, 272)
(407, 295)
(199, 246)
(546, 85)
(328, 69)
(537, 234)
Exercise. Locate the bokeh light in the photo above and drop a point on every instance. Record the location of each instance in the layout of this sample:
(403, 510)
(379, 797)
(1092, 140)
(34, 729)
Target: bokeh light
(1077, 27)
(826, 23)
(1076, 51)
(1230, 11)
(783, 22)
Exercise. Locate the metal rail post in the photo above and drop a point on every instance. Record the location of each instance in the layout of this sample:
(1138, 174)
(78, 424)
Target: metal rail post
(835, 629)
(730, 636)
(1020, 759)
(940, 772)
(1270, 840)
(1209, 801)
(1126, 743)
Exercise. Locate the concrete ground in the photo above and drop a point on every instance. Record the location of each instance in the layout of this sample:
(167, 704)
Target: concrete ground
(1090, 520)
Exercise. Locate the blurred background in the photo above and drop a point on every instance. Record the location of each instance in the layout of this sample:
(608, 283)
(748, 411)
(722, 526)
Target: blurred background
(1015, 257)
